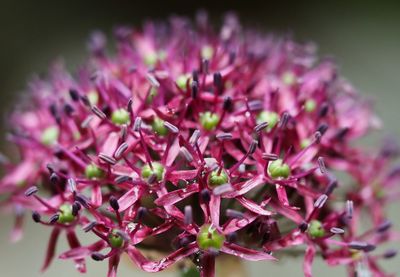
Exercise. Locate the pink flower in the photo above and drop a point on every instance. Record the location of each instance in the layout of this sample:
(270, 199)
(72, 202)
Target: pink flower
(196, 143)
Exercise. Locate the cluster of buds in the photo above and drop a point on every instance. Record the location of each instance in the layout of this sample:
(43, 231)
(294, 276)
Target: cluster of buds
(198, 143)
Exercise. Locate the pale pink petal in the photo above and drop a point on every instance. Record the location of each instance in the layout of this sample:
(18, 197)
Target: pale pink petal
(111, 144)
(308, 260)
(173, 152)
(175, 176)
(245, 253)
(215, 206)
(83, 251)
(51, 248)
(245, 187)
(236, 224)
(177, 195)
(252, 206)
(130, 198)
(97, 198)
(113, 263)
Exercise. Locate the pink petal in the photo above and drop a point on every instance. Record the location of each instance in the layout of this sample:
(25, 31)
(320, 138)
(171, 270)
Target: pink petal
(151, 266)
(287, 212)
(83, 251)
(74, 243)
(97, 197)
(238, 223)
(232, 150)
(177, 195)
(130, 198)
(16, 233)
(207, 266)
(111, 144)
(252, 206)
(245, 253)
(282, 195)
(173, 152)
(175, 176)
(245, 187)
(215, 206)
(308, 260)
(51, 248)
(113, 262)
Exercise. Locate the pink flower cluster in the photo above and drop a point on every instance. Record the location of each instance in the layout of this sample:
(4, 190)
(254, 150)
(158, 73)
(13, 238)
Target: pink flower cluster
(199, 143)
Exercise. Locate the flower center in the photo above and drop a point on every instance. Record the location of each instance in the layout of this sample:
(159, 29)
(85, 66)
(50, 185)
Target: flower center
(158, 170)
(93, 172)
(278, 169)
(120, 117)
(50, 135)
(158, 127)
(209, 120)
(115, 240)
(271, 117)
(217, 178)
(209, 237)
(316, 230)
(65, 215)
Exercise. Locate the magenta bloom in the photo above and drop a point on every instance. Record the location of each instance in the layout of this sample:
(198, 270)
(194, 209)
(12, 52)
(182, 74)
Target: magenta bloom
(199, 143)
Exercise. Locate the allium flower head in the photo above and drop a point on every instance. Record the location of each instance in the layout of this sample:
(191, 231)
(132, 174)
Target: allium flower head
(199, 143)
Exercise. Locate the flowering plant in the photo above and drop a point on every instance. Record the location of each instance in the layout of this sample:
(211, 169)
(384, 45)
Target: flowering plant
(198, 143)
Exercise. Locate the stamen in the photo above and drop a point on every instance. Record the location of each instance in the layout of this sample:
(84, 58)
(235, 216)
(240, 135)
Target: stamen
(320, 202)
(120, 150)
(85, 123)
(323, 128)
(331, 187)
(185, 153)
(255, 105)
(71, 184)
(122, 179)
(384, 226)
(252, 147)
(391, 253)
(234, 214)
(124, 132)
(74, 95)
(284, 120)
(270, 157)
(188, 215)
(75, 208)
(30, 191)
(36, 217)
(107, 159)
(195, 89)
(83, 200)
(54, 218)
(54, 179)
(323, 110)
(336, 230)
(152, 80)
(114, 203)
(321, 165)
(129, 105)
(137, 124)
(317, 137)
(195, 137)
(227, 105)
(141, 213)
(349, 209)
(172, 128)
(224, 136)
(259, 127)
(360, 245)
(217, 80)
(205, 196)
(88, 227)
(98, 256)
(303, 226)
(99, 113)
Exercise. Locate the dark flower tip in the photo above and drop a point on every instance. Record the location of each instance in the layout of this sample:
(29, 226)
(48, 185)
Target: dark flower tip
(31, 191)
(114, 203)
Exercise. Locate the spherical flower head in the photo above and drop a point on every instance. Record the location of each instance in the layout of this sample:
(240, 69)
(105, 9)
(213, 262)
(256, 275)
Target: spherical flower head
(158, 170)
(209, 238)
(65, 214)
(120, 117)
(217, 178)
(209, 120)
(278, 169)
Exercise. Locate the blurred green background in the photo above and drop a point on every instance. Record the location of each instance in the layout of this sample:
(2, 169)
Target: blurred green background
(363, 36)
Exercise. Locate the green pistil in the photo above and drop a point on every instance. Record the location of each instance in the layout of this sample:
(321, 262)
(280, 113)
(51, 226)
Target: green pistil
(120, 117)
(304, 143)
(310, 105)
(209, 238)
(316, 230)
(93, 97)
(150, 59)
(207, 52)
(266, 116)
(50, 135)
(182, 80)
(158, 127)
(215, 179)
(93, 172)
(278, 169)
(288, 78)
(158, 169)
(65, 214)
(152, 94)
(115, 240)
(209, 120)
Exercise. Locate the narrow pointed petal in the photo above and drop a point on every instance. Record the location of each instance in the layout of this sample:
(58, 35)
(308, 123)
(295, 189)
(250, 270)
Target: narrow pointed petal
(245, 253)
(51, 248)
(177, 195)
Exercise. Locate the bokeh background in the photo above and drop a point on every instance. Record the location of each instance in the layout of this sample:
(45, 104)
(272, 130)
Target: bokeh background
(363, 36)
